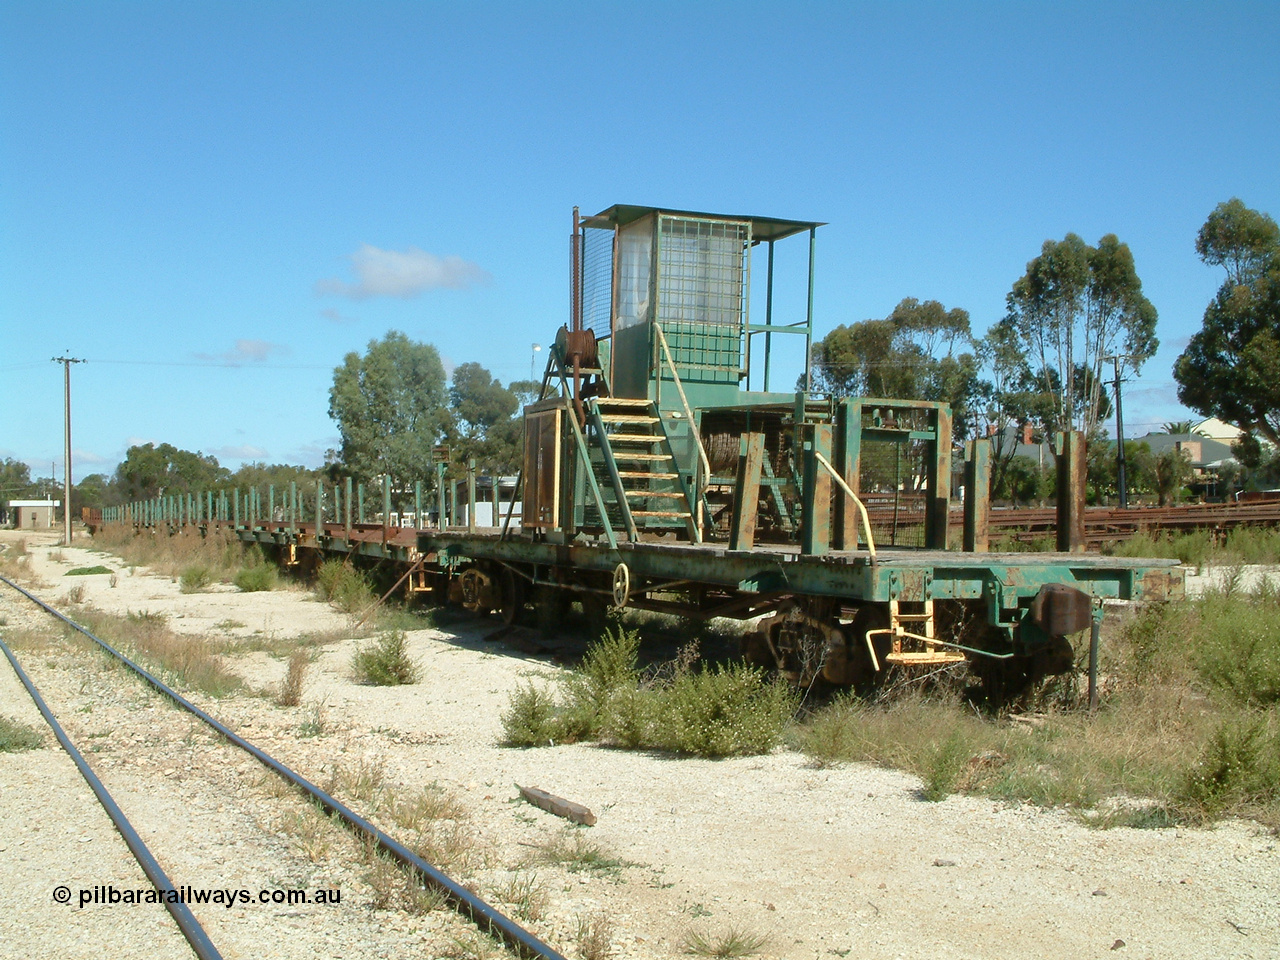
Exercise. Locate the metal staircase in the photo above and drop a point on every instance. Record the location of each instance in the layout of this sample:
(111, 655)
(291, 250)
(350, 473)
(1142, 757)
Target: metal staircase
(631, 456)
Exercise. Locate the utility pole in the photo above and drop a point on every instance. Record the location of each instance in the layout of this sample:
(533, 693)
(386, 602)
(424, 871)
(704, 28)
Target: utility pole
(1121, 487)
(66, 461)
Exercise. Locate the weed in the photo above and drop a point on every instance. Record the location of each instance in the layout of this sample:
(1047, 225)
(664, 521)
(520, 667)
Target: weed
(522, 891)
(290, 693)
(195, 578)
(343, 586)
(721, 711)
(229, 625)
(257, 578)
(385, 662)
(1239, 767)
(431, 804)
(576, 852)
(594, 936)
(15, 736)
(86, 571)
(475, 945)
(57, 556)
(734, 942)
(312, 831)
(448, 845)
(724, 711)
(76, 594)
(948, 764)
(362, 781)
(395, 886)
(314, 725)
(531, 719)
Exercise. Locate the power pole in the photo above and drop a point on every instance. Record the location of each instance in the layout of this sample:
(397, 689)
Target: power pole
(66, 461)
(1121, 487)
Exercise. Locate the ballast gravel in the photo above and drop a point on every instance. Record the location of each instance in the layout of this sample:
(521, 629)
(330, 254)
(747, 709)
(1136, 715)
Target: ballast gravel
(824, 863)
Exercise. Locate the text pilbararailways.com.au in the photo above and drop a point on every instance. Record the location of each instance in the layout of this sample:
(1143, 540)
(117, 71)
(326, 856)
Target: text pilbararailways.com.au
(110, 895)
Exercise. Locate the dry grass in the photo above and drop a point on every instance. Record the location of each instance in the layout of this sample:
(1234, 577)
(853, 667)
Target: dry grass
(290, 692)
(16, 737)
(594, 936)
(527, 898)
(733, 942)
(191, 662)
(574, 850)
(1188, 729)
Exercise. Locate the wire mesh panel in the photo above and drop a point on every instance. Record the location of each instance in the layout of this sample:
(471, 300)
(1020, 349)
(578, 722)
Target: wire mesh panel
(597, 281)
(702, 270)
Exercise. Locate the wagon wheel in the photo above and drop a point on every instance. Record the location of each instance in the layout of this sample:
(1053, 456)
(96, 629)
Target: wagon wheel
(512, 594)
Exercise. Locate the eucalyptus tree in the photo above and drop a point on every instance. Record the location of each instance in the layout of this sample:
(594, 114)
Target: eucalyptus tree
(921, 351)
(391, 409)
(1231, 368)
(1075, 306)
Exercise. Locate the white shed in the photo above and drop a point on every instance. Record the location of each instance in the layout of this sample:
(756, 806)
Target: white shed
(33, 514)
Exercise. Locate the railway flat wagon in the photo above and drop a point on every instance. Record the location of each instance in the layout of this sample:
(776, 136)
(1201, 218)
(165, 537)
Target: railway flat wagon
(654, 477)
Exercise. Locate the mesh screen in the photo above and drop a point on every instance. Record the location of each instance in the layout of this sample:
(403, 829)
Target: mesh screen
(597, 280)
(701, 270)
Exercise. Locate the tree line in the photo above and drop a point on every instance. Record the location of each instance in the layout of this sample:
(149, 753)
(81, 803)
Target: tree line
(395, 408)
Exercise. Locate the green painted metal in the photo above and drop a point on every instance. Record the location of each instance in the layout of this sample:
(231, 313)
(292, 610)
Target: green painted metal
(386, 504)
(611, 465)
(360, 497)
(471, 495)
(347, 531)
(808, 327)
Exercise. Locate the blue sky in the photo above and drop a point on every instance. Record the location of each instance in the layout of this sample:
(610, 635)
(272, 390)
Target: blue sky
(213, 203)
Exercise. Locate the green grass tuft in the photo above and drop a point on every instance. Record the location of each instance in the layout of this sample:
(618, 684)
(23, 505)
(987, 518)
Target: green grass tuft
(87, 571)
(715, 712)
(385, 662)
(15, 736)
(195, 578)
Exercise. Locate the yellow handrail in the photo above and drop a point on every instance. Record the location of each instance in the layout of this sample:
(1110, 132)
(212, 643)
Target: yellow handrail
(693, 425)
(866, 520)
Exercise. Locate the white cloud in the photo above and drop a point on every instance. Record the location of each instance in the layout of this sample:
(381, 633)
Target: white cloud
(334, 316)
(402, 273)
(243, 452)
(245, 351)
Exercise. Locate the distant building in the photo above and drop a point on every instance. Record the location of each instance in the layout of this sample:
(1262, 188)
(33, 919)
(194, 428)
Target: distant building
(1215, 429)
(1203, 452)
(33, 514)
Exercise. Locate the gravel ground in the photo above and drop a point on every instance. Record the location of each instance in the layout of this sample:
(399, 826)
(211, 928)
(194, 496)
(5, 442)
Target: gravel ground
(826, 862)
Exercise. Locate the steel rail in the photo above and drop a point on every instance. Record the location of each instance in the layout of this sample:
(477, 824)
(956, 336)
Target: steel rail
(181, 913)
(464, 901)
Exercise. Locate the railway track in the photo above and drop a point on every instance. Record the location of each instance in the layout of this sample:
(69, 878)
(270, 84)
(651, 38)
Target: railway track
(486, 917)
